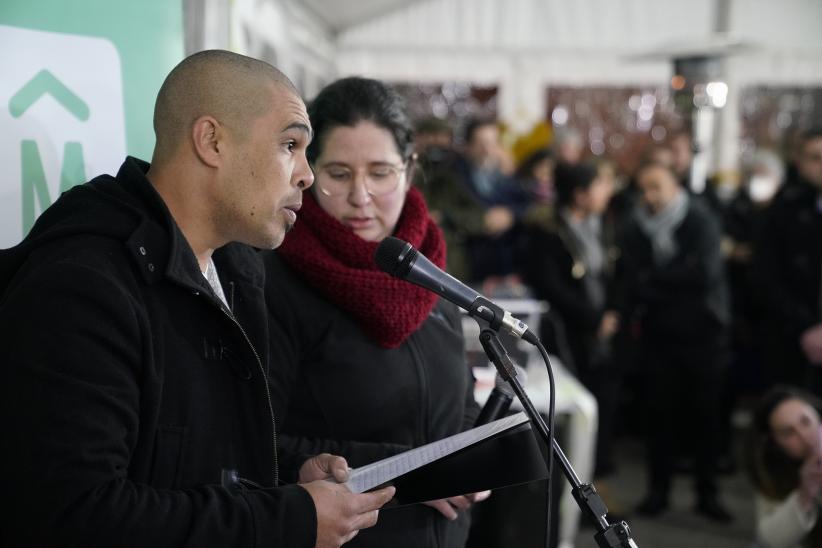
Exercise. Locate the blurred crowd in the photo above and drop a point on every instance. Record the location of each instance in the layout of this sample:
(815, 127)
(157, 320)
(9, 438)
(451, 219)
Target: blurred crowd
(671, 306)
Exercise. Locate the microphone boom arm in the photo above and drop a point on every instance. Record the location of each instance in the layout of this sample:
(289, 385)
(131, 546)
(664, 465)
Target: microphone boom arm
(608, 535)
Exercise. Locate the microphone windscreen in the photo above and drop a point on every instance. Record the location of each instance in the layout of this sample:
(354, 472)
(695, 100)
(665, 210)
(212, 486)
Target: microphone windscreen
(394, 256)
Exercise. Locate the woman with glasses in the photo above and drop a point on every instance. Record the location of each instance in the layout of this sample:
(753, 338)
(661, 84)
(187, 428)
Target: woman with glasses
(366, 365)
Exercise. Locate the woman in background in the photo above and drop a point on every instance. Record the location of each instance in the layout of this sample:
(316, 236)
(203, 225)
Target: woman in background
(568, 264)
(786, 468)
(367, 365)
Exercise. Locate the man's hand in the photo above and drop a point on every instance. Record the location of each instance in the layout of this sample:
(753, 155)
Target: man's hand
(810, 481)
(448, 507)
(811, 342)
(324, 466)
(340, 513)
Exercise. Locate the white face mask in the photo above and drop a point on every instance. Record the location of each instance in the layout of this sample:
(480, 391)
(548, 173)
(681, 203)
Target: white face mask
(762, 188)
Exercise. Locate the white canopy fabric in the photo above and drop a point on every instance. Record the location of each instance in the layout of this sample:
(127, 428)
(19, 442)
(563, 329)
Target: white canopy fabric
(526, 46)
(543, 42)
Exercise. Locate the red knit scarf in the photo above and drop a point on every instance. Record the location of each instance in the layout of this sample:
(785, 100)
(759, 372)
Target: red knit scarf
(340, 266)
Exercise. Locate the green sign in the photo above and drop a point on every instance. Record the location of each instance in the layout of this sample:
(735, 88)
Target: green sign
(78, 82)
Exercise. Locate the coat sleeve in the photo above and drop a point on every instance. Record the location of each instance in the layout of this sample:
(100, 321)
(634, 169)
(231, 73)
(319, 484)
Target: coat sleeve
(70, 408)
(782, 524)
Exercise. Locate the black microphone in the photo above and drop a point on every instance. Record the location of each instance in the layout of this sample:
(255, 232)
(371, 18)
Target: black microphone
(401, 260)
(498, 403)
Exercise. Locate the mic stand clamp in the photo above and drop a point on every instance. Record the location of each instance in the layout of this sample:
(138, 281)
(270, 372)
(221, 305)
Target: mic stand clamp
(608, 535)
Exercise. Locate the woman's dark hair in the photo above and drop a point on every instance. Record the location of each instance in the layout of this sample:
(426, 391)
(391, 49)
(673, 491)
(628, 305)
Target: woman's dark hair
(810, 135)
(526, 168)
(473, 125)
(773, 472)
(349, 101)
(568, 179)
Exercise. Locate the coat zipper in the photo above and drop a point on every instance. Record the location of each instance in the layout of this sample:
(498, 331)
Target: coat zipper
(267, 388)
(417, 358)
(231, 317)
(267, 394)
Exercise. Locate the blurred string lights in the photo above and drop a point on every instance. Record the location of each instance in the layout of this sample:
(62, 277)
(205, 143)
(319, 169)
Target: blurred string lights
(454, 102)
(717, 93)
(622, 122)
(773, 117)
(713, 94)
(619, 122)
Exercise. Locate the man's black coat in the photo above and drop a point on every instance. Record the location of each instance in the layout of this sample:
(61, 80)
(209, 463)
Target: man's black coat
(128, 387)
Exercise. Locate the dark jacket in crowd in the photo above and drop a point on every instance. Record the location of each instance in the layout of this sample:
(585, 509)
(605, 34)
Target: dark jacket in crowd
(684, 299)
(787, 267)
(681, 308)
(460, 214)
(744, 221)
(128, 387)
(554, 269)
(349, 396)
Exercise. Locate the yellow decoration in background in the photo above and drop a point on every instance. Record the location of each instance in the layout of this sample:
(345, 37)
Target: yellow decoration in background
(540, 136)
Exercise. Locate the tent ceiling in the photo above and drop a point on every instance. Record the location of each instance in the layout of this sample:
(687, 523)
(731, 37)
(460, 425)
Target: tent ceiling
(342, 15)
(595, 26)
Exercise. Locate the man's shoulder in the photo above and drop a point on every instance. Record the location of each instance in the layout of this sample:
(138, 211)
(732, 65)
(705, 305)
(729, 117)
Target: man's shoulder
(82, 277)
(92, 254)
(793, 197)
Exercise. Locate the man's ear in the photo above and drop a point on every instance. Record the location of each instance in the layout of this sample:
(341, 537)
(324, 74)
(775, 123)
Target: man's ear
(208, 139)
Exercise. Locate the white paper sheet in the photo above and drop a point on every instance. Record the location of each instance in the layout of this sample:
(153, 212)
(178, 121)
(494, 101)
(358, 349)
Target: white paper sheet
(371, 475)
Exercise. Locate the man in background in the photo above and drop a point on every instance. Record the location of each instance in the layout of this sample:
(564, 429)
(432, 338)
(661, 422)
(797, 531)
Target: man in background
(673, 290)
(787, 265)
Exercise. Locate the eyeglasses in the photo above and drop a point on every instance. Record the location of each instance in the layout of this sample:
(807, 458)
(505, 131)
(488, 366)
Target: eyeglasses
(380, 180)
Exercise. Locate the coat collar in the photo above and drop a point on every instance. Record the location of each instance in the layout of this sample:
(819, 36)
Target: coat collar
(156, 243)
(161, 251)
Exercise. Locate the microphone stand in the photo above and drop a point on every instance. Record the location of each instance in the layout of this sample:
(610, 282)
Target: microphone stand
(608, 535)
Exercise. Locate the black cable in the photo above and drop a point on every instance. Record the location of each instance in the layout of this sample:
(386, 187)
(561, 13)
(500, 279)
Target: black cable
(550, 456)
(616, 535)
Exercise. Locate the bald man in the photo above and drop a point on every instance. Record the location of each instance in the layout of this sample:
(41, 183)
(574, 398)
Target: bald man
(135, 405)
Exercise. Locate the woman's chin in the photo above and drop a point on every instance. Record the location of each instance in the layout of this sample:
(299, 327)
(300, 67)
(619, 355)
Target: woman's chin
(369, 234)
